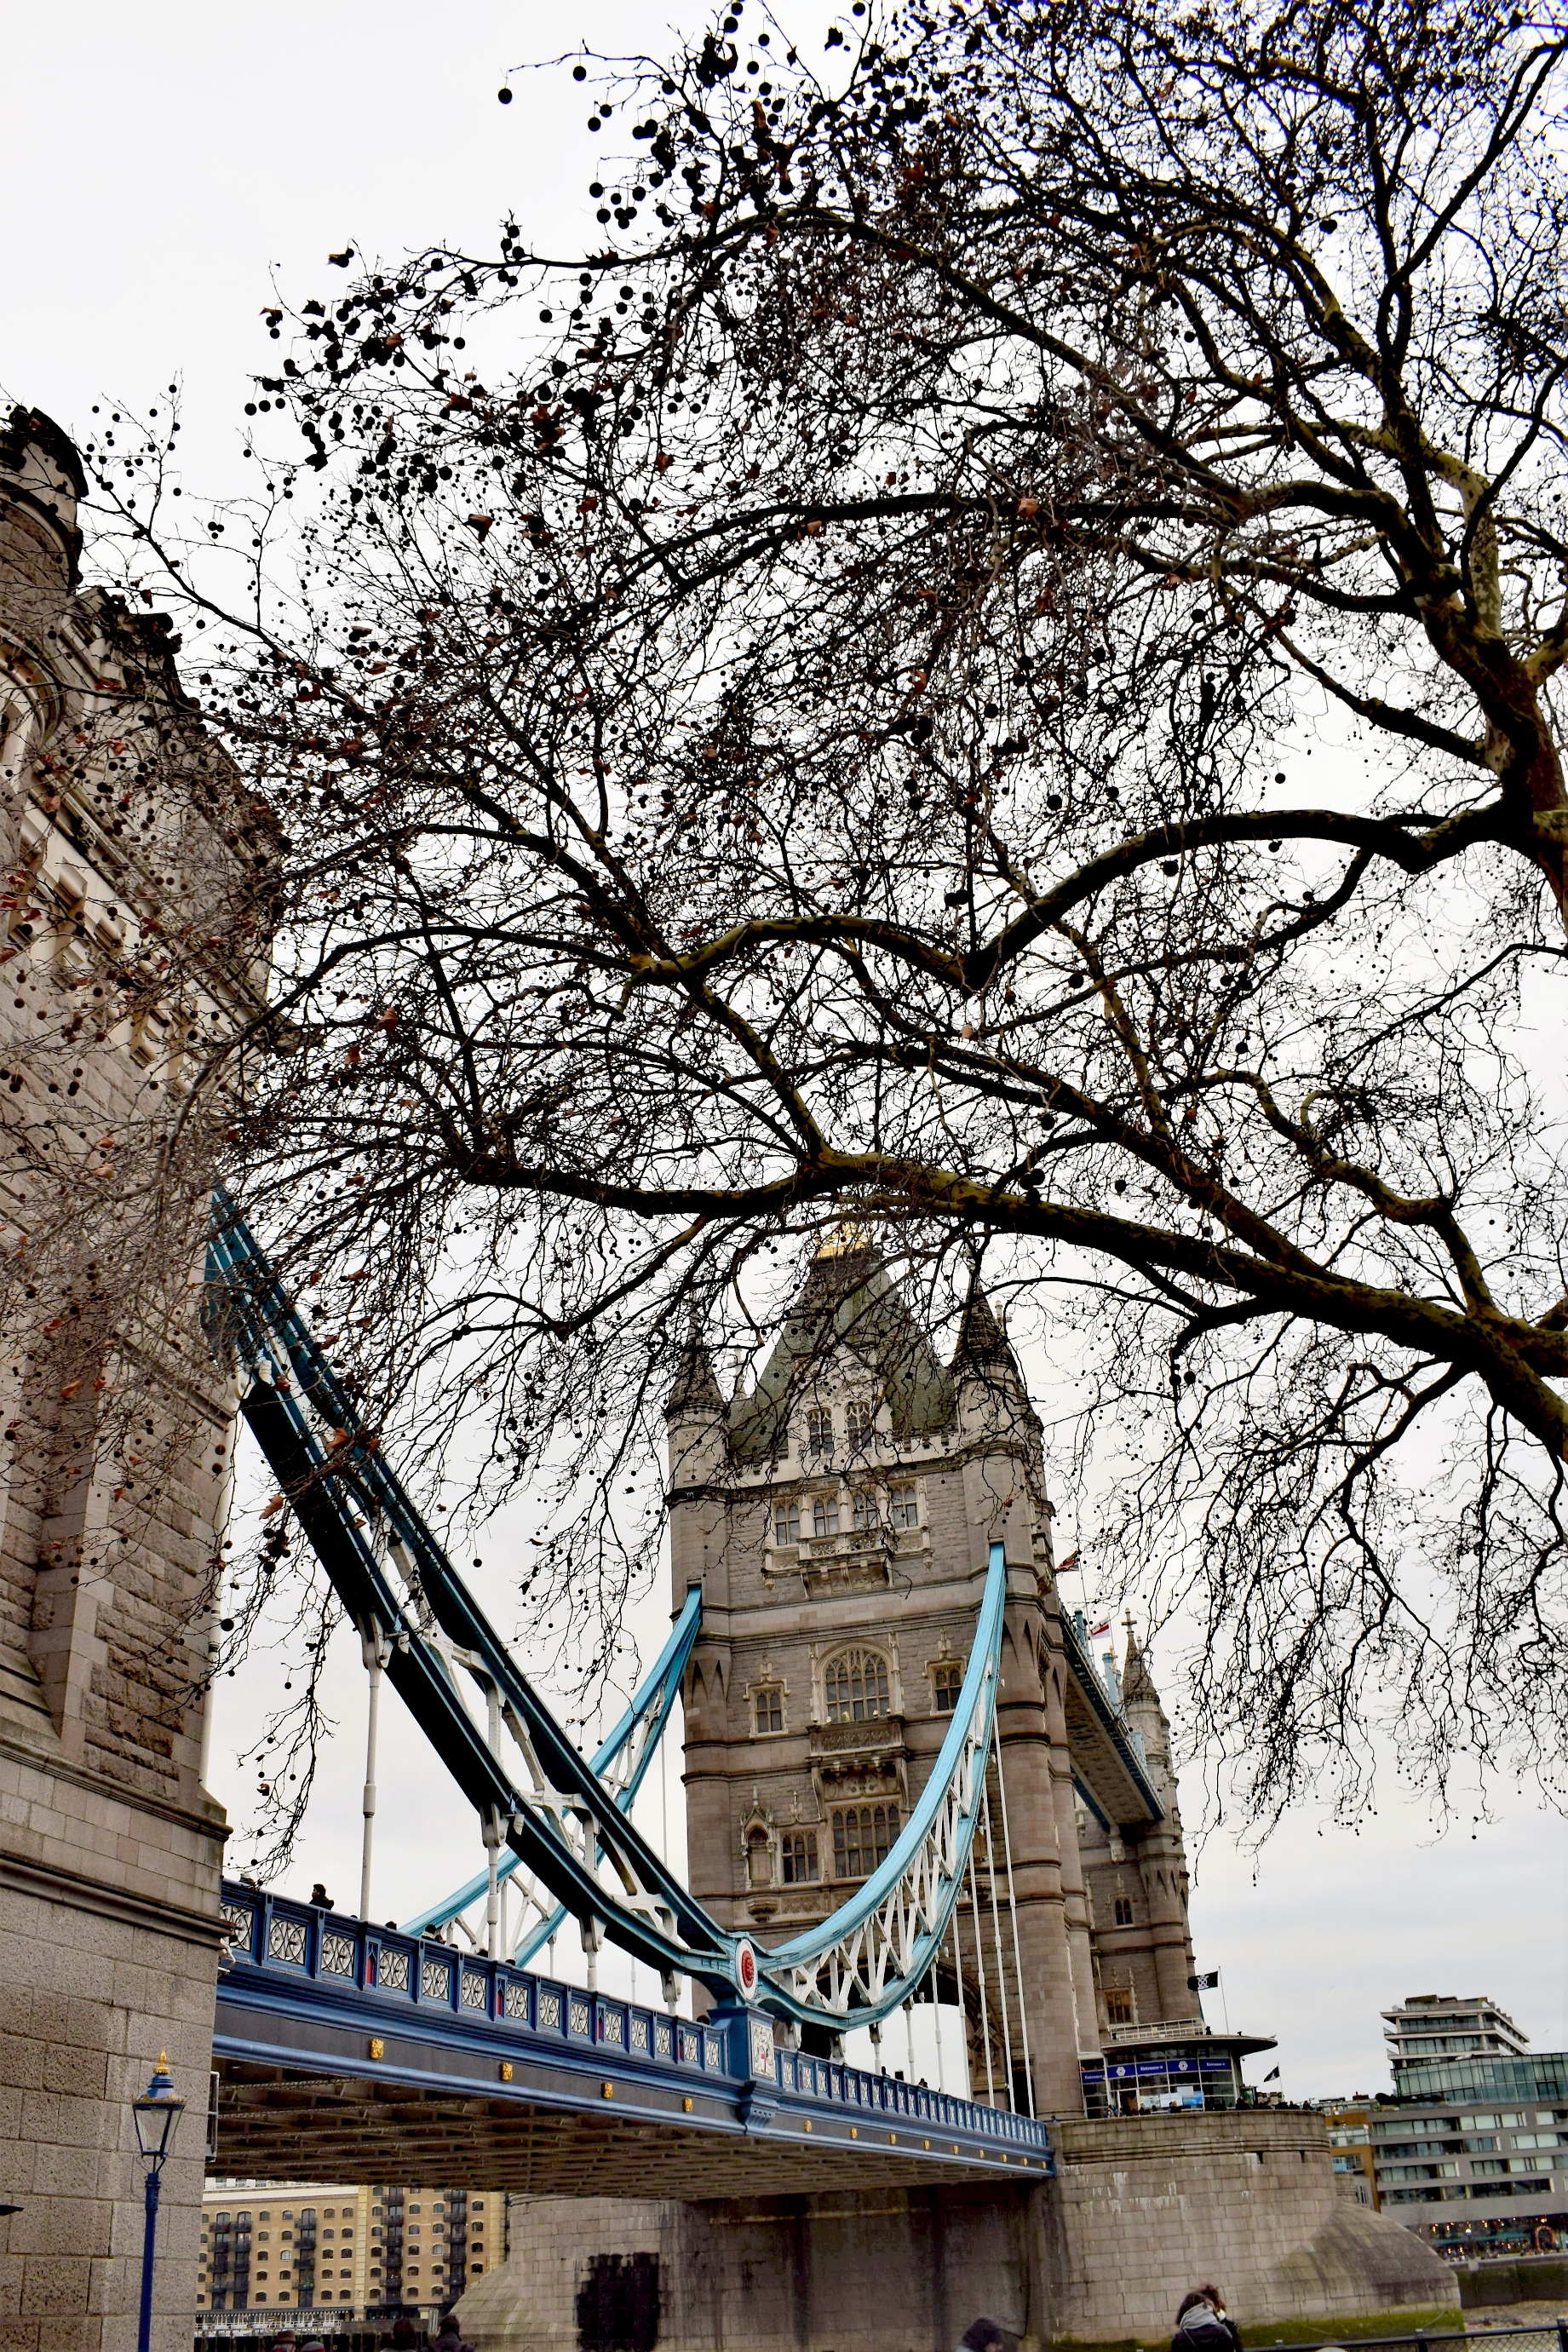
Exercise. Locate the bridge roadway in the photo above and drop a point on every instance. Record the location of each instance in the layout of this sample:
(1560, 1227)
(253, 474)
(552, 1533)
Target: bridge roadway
(353, 2053)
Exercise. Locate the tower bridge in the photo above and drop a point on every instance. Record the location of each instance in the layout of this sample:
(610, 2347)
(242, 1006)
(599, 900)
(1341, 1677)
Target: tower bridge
(907, 1775)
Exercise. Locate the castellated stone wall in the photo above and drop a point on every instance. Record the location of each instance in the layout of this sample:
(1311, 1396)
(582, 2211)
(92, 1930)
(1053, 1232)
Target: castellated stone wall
(129, 919)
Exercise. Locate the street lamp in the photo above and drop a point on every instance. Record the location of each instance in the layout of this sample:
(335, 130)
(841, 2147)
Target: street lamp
(157, 2113)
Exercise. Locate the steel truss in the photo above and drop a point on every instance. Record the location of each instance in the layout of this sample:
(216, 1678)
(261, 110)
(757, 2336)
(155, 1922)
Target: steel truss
(569, 1829)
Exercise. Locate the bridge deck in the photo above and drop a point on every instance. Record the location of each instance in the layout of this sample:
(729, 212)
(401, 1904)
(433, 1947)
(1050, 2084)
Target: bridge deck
(365, 2054)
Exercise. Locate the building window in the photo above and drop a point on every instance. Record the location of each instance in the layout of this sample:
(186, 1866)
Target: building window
(824, 1515)
(797, 1853)
(1123, 1911)
(867, 1518)
(758, 1861)
(904, 1508)
(859, 1417)
(819, 1430)
(787, 1523)
(946, 1680)
(770, 1708)
(1119, 2007)
(863, 1836)
(855, 1687)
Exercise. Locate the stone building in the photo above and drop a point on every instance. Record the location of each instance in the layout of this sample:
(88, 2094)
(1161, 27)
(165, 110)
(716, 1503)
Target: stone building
(130, 915)
(838, 1518)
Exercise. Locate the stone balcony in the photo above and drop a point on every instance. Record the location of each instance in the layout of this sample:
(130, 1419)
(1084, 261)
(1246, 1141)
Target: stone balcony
(858, 1561)
(859, 1759)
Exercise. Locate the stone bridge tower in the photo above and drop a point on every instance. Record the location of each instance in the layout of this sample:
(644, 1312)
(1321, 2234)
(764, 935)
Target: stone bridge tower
(838, 1518)
(127, 917)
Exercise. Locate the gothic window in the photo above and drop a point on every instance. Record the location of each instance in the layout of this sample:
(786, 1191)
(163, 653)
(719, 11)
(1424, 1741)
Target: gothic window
(769, 1700)
(1119, 2007)
(758, 1861)
(946, 1680)
(859, 1415)
(798, 1857)
(824, 1515)
(863, 1837)
(1123, 1911)
(903, 1506)
(819, 1430)
(787, 1522)
(855, 1687)
(867, 1518)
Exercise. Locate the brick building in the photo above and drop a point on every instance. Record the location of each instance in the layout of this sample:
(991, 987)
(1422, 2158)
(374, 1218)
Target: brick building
(343, 2252)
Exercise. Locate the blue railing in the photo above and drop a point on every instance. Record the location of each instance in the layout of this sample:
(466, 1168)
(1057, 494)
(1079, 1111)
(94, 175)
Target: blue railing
(307, 1961)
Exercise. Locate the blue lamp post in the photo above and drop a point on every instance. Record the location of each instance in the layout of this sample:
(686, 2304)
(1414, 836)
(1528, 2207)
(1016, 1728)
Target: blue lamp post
(157, 2112)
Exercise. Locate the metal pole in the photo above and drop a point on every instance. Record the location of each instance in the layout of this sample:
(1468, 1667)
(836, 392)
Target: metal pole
(149, 2237)
(492, 1890)
(370, 1647)
(997, 1938)
(936, 2020)
(1013, 1915)
(980, 1975)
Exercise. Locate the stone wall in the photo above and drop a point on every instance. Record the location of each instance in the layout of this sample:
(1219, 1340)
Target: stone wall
(1142, 2208)
(1145, 2207)
(128, 860)
(904, 2268)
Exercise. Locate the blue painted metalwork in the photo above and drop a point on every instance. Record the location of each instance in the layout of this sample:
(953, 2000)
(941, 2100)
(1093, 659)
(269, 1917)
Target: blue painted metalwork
(1113, 1720)
(449, 2021)
(857, 1966)
(651, 1710)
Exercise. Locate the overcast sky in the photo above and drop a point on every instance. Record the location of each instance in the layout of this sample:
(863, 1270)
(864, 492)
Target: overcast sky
(162, 168)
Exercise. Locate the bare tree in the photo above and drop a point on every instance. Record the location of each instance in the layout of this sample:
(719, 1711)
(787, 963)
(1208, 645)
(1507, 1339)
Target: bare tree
(996, 672)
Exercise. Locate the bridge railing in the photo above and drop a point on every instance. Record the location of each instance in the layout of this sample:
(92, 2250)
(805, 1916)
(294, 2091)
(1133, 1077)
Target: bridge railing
(399, 1980)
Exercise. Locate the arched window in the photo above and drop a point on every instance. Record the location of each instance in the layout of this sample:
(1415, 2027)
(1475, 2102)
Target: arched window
(859, 1417)
(854, 1687)
(819, 1430)
(863, 1837)
(946, 1681)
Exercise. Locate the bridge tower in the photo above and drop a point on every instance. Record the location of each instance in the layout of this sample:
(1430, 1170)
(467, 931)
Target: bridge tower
(124, 921)
(838, 1517)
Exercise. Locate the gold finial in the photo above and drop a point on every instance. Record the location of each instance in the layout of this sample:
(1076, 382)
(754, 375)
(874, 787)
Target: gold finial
(162, 2061)
(848, 1235)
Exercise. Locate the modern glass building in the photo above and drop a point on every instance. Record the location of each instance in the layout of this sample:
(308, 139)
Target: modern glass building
(1473, 2150)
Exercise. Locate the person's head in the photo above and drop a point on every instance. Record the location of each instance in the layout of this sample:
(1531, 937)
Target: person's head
(982, 2336)
(1197, 2294)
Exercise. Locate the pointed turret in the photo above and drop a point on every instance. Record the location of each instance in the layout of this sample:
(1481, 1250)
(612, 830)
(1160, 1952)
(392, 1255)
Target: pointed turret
(695, 1394)
(981, 1339)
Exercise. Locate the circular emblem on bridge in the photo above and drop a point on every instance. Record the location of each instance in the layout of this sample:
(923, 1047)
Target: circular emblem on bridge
(746, 1968)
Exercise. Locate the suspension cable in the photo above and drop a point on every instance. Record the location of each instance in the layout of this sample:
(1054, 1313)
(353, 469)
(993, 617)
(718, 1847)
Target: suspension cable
(996, 1935)
(1013, 1915)
(980, 1974)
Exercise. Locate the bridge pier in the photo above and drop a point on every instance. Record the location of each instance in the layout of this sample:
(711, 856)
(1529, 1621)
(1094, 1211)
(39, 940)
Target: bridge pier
(115, 1425)
(1139, 2210)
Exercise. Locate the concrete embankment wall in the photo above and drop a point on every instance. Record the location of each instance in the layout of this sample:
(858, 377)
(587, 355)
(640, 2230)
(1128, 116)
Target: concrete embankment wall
(1141, 2208)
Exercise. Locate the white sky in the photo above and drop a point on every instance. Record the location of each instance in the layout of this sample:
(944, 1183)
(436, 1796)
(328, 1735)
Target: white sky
(159, 166)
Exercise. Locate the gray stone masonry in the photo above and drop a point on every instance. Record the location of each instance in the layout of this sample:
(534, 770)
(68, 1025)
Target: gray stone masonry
(1142, 2208)
(838, 1517)
(128, 924)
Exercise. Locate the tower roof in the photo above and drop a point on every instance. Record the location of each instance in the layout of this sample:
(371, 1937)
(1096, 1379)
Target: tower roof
(696, 1390)
(847, 1300)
